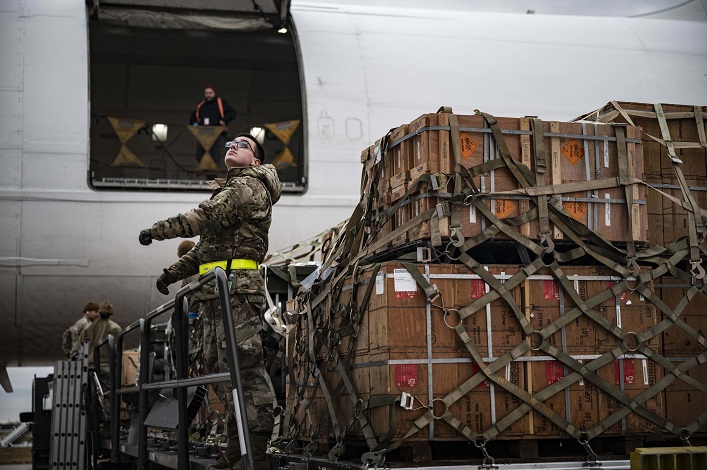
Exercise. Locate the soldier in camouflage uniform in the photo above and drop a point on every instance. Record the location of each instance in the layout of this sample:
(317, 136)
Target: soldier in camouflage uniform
(70, 339)
(233, 225)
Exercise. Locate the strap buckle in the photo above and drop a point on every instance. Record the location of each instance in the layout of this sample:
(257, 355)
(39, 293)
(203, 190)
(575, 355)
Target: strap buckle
(424, 254)
(272, 316)
(685, 437)
(373, 459)
(696, 269)
(336, 451)
(406, 401)
(435, 293)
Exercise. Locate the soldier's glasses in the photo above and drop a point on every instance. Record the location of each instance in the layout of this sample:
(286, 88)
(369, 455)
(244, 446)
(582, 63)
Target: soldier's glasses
(241, 144)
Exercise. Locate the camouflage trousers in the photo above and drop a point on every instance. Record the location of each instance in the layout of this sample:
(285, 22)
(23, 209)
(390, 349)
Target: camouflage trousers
(259, 397)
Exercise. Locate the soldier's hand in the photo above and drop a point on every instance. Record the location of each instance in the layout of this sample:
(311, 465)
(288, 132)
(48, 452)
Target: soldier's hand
(145, 237)
(165, 279)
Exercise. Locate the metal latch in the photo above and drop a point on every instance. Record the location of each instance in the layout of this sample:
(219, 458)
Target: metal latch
(406, 401)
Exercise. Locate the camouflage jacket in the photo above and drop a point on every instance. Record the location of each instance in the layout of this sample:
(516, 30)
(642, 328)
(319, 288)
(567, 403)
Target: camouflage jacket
(97, 331)
(232, 224)
(69, 341)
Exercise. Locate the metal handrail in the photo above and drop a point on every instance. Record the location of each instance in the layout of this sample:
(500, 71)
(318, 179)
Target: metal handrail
(143, 386)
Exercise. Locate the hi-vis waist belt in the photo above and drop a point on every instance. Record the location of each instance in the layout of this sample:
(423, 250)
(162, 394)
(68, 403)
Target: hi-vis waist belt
(228, 265)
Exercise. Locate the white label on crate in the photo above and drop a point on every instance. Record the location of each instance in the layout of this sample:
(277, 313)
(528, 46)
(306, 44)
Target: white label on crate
(618, 314)
(608, 210)
(398, 159)
(404, 282)
(472, 214)
(508, 372)
(419, 156)
(380, 283)
(645, 372)
(606, 153)
(581, 381)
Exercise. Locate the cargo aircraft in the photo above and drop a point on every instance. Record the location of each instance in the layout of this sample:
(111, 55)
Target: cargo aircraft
(95, 143)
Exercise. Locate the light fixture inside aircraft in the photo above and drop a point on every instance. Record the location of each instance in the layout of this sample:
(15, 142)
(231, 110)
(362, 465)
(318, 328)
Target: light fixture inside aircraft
(282, 30)
(159, 132)
(258, 133)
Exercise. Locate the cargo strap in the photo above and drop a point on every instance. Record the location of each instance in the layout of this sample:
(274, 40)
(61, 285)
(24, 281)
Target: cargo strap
(540, 171)
(455, 218)
(228, 265)
(696, 229)
(626, 114)
(322, 303)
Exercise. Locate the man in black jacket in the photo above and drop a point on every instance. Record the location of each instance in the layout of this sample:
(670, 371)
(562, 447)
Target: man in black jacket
(212, 111)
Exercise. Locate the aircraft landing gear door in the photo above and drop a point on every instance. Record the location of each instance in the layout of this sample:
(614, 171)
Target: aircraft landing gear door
(150, 64)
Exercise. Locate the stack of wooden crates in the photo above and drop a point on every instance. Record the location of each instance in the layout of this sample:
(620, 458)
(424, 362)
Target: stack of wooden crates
(568, 342)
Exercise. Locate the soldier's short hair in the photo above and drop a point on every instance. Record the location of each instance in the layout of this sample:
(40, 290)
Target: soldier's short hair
(90, 307)
(259, 150)
(184, 247)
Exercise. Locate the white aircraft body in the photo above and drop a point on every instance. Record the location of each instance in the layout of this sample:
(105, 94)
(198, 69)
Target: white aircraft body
(363, 68)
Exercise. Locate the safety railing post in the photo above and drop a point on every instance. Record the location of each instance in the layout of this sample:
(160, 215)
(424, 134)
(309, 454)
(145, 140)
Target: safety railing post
(179, 321)
(234, 369)
(144, 378)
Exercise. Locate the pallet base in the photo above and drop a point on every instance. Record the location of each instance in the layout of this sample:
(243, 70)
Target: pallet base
(509, 451)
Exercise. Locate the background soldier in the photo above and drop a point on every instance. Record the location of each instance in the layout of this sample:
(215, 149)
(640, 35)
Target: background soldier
(97, 331)
(70, 339)
(233, 225)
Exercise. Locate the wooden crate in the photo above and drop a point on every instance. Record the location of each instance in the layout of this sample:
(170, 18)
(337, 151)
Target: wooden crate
(405, 345)
(575, 153)
(686, 128)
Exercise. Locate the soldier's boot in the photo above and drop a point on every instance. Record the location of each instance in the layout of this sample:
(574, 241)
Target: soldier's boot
(229, 459)
(258, 445)
(232, 456)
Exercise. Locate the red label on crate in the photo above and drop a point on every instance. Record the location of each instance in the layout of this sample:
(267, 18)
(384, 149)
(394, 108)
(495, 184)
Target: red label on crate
(475, 369)
(467, 145)
(405, 375)
(629, 371)
(478, 288)
(552, 290)
(554, 371)
(622, 296)
(406, 295)
(573, 151)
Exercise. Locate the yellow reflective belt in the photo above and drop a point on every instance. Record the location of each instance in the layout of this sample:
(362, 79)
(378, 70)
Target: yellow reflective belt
(229, 264)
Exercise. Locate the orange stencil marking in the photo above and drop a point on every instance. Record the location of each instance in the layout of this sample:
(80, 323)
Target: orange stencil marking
(573, 151)
(576, 209)
(467, 146)
(504, 208)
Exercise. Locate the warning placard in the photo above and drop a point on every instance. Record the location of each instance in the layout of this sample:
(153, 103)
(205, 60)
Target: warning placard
(467, 145)
(405, 375)
(573, 151)
(577, 209)
(478, 288)
(554, 371)
(404, 283)
(504, 208)
(629, 370)
(551, 289)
